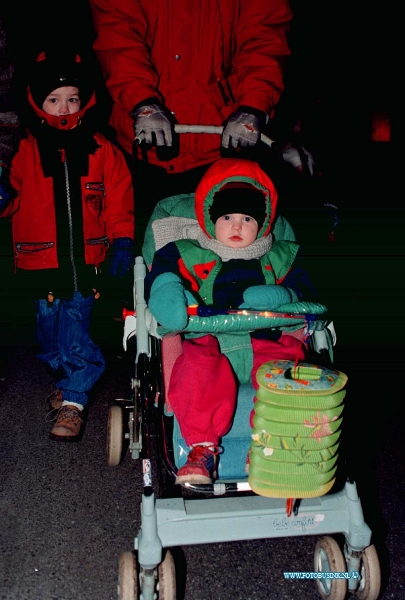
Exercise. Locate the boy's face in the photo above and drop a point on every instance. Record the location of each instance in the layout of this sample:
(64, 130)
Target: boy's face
(62, 101)
(236, 230)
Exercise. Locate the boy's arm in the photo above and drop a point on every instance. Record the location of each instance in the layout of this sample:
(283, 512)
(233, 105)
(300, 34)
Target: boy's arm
(119, 195)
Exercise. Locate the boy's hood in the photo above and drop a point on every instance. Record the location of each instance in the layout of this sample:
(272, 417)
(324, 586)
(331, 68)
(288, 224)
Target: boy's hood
(63, 122)
(227, 170)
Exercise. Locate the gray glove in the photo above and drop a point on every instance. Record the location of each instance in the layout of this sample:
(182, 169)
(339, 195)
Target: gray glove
(151, 121)
(241, 128)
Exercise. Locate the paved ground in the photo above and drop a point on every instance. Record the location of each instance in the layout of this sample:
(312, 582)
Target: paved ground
(66, 516)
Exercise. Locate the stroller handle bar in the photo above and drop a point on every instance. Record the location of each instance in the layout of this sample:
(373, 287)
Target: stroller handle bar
(202, 129)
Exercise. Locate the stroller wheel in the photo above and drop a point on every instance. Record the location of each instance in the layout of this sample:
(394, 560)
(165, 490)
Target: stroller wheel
(370, 575)
(328, 558)
(127, 577)
(167, 578)
(115, 430)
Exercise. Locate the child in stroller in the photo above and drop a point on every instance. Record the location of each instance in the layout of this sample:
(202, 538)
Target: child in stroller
(200, 269)
(231, 260)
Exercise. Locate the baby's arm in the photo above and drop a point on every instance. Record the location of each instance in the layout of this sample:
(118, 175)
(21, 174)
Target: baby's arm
(165, 291)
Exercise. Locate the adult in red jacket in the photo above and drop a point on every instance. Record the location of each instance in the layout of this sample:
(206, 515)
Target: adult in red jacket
(74, 200)
(205, 62)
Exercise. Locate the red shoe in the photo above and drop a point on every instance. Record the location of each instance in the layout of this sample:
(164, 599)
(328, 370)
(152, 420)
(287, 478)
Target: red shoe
(200, 466)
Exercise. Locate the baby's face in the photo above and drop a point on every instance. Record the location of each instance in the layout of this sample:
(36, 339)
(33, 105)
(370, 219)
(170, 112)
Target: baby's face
(62, 101)
(236, 230)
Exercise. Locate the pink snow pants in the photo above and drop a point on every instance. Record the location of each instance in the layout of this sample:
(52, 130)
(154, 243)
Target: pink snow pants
(203, 388)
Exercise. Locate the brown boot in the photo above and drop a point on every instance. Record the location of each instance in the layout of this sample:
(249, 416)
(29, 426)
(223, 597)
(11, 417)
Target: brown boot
(55, 400)
(68, 426)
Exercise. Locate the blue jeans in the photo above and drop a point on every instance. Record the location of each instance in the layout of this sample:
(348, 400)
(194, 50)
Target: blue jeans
(63, 333)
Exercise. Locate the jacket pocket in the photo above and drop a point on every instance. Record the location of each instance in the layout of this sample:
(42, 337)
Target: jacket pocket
(98, 241)
(96, 186)
(94, 195)
(29, 247)
(96, 250)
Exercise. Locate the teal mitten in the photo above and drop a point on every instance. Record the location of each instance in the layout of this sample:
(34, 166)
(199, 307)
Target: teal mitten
(168, 302)
(267, 297)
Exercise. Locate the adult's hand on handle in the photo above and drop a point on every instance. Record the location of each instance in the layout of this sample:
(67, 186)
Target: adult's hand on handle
(152, 124)
(241, 129)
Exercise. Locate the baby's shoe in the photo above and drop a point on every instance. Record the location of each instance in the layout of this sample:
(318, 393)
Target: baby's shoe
(68, 425)
(200, 466)
(55, 399)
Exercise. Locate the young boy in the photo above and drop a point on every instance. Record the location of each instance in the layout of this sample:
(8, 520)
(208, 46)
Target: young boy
(231, 259)
(74, 200)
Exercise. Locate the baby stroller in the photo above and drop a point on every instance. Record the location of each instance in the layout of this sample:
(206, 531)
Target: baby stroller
(240, 504)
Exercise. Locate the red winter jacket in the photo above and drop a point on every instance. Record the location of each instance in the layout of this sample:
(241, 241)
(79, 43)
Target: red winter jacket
(201, 58)
(107, 200)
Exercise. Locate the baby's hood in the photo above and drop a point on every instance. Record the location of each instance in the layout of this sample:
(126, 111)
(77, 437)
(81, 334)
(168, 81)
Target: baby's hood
(231, 170)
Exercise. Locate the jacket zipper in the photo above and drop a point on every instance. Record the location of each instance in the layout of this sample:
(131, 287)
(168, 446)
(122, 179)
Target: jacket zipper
(69, 208)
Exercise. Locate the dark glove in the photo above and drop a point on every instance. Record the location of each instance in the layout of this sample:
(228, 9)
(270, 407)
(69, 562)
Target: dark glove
(152, 123)
(267, 297)
(6, 191)
(168, 302)
(123, 256)
(299, 157)
(243, 128)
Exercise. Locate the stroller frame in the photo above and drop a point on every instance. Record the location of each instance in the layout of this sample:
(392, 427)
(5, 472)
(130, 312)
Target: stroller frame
(169, 522)
(177, 521)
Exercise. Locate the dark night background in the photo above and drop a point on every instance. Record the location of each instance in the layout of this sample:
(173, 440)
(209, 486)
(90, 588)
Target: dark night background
(345, 66)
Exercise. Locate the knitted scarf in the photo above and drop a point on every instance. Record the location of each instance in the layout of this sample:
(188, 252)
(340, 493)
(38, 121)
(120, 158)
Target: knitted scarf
(170, 229)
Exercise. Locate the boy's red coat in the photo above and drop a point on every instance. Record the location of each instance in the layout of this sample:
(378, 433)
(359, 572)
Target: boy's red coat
(104, 212)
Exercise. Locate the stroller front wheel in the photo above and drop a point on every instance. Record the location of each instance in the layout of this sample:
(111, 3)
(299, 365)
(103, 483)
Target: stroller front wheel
(328, 558)
(167, 578)
(115, 432)
(370, 575)
(127, 577)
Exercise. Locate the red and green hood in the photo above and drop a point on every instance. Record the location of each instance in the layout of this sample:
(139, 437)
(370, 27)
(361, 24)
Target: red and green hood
(231, 170)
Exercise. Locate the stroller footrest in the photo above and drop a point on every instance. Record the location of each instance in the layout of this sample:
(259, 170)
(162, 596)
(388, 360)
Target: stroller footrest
(215, 520)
